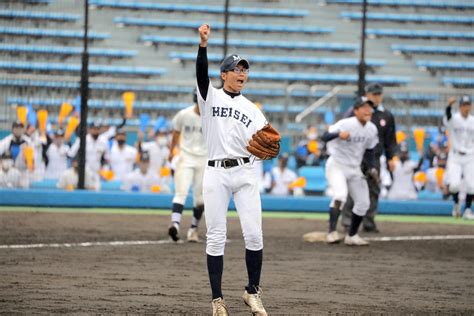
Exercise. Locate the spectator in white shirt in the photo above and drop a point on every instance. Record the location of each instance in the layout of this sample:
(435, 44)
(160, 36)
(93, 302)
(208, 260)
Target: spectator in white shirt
(11, 177)
(403, 187)
(56, 155)
(158, 149)
(122, 156)
(143, 179)
(282, 177)
(70, 178)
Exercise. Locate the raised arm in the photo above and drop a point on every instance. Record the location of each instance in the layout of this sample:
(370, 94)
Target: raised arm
(201, 61)
(448, 113)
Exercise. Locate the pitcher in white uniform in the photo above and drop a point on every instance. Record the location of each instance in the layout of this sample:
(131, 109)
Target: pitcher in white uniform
(460, 167)
(228, 122)
(187, 135)
(348, 140)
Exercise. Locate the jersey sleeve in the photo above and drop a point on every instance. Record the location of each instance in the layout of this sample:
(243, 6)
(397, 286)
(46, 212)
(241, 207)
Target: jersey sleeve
(205, 102)
(335, 128)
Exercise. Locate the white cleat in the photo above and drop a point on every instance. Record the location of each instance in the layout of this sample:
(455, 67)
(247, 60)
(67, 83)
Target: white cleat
(456, 210)
(192, 235)
(468, 214)
(355, 240)
(254, 301)
(333, 238)
(219, 308)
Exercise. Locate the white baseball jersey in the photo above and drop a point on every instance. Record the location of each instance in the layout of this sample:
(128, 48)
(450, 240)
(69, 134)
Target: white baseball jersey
(351, 151)
(228, 123)
(122, 160)
(69, 179)
(158, 155)
(57, 160)
(461, 133)
(402, 187)
(188, 123)
(139, 182)
(13, 178)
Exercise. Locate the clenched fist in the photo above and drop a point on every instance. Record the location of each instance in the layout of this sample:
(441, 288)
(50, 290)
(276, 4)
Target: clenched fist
(204, 31)
(344, 135)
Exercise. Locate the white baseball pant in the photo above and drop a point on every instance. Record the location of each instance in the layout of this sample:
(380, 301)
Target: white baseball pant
(459, 167)
(218, 187)
(189, 170)
(344, 179)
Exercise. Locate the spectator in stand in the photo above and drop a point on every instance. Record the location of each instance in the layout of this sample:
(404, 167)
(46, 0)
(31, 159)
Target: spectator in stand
(14, 144)
(282, 177)
(11, 177)
(70, 177)
(308, 151)
(158, 149)
(403, 187)
(143, 179)
(55, 152)
(122, 156)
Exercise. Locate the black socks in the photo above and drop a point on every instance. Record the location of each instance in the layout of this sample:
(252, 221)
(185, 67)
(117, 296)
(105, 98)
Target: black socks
(469, 200)
(253, 260)
(333, 217)
(355, 223)
(215, 267)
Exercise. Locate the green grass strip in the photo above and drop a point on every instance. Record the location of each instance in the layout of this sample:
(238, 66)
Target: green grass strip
(288, 215)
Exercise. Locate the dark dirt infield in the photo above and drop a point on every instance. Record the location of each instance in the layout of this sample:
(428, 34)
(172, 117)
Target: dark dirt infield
(406, 277)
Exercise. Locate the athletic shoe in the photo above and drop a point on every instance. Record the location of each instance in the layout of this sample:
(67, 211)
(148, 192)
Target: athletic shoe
(193, 235)
(254, 301)
(468, 214)
(219, 308)
(355, 240)
(333, 238)
(456, 210)
(173, 232)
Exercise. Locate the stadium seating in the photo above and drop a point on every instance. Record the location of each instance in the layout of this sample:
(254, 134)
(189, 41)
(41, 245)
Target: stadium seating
(445, 65)
(76, 68)
(440, 50)
(233, 26)
(69, 34)
(411, 3)
(30, 15)
(116, 4)
(415, 18)
(315, 179)
(459, 82)
(321, 77)
(192, 41)
(66, 50)
(420, 34)
(290, 60)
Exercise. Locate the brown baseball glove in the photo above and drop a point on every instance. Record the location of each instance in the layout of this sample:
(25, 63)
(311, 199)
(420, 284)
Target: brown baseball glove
(265, 143)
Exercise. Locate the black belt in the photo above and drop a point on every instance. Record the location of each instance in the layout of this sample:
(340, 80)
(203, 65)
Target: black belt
(228, 163)
(462, 153)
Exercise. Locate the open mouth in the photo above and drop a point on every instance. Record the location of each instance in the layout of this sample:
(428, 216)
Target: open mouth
(240, 81)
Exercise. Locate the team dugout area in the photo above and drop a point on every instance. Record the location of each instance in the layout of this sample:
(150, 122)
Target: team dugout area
(299, 52)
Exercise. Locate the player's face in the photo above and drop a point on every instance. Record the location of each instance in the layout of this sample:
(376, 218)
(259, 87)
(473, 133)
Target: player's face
(377, 98)
(18, 131)
(364, 113)
(465, 109)
(234, 80)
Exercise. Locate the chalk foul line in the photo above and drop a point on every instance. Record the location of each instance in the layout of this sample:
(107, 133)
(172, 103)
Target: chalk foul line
(161, 242)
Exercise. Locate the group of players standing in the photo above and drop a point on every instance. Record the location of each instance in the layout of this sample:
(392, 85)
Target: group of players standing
(212, 136)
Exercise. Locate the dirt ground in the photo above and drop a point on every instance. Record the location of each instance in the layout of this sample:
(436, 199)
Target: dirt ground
(405, 277)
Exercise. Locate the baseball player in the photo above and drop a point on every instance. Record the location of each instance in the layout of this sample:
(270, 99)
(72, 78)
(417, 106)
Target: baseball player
(187, 134)
(348, 140)
(385, 123)
(460, 128)
(228, 122)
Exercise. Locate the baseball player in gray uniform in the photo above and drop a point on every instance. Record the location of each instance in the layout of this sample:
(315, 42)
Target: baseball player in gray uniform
(348, 140)
(187, 134)
(460, 164)
(228, 122)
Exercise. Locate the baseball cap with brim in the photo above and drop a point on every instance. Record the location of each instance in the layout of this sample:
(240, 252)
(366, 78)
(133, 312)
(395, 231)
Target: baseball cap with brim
(374, 88)
(361, 101)
(230, 62)
(465, 99)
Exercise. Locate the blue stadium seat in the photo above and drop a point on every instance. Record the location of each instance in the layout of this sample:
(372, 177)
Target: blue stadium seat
(220, 26)
(315, 178)
(440, 50)
(429, 195)
(192, 41)
(415, 18)
(76, 68)
(31, 15)
(420, 34)
(290, 60)
(70, 34)
(44, 184)
(414, 97)
(459, 82)
(321, 77)
(445, 65)
(66, 50)
(120, 4)
(443, 4)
